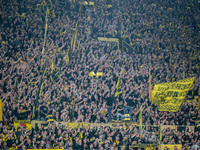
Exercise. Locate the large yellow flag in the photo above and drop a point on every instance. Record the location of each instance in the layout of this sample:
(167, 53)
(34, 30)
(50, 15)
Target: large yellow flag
(169, 96)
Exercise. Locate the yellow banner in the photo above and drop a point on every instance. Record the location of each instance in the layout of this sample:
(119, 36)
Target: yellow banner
(164, 146)
(23, 123)
(109, 39)
(168, 126)
(1, 112)
(145, 145)
(76, 124)
(169, 96)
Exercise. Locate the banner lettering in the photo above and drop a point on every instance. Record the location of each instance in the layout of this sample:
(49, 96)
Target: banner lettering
(169, 96)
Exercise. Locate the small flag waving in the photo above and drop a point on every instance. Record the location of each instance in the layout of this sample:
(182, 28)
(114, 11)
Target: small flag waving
(140, 124)
(119, 83)
(52, 67)
(160, 133)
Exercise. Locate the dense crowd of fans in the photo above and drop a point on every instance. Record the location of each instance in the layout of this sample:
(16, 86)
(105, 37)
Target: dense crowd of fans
(92, 137)
(164, 36)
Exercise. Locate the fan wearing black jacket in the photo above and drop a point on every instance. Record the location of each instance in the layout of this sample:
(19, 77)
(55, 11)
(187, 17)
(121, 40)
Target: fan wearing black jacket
(109, 99)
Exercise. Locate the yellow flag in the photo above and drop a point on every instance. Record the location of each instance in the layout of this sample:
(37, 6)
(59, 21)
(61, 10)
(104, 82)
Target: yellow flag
(67, 58)
(23, 15)
(118, 83)
(140, 125)
(52, 67)
(91, 74)
(33, 113)
(73, 42)
(88, 18)
(169, 96)
(21, 61)
(117, 93)
(42, 84)
(160, 133)
(99, 74)
(41, 89)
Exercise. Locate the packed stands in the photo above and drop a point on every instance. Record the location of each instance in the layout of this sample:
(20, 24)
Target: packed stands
(49, 48)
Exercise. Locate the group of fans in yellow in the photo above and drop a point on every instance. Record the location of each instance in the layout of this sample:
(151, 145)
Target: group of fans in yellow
(100, 74)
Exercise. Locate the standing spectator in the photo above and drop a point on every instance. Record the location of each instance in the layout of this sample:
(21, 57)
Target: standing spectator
(120, 110)
(109, 99)
(129, 105)
(43, 110)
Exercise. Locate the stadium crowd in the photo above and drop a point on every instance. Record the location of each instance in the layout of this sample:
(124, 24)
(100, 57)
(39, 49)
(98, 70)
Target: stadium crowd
(91, 137)
(164, 36)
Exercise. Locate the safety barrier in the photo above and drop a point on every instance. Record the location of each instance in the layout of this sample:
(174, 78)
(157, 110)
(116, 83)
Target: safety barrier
(115, 124)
